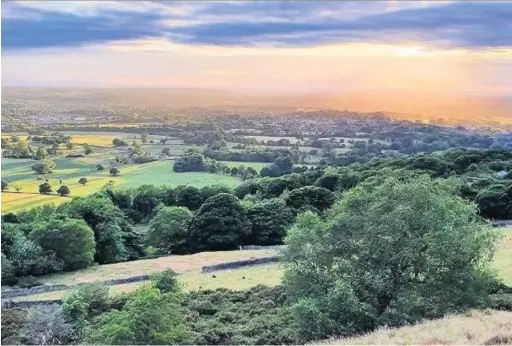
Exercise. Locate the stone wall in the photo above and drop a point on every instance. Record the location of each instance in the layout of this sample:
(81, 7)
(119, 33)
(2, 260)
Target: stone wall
(238, 264)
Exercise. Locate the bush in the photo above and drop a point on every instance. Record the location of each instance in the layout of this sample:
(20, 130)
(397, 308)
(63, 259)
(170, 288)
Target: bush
(12, 322)
(317, 199)
(46, 325)
(147, 317)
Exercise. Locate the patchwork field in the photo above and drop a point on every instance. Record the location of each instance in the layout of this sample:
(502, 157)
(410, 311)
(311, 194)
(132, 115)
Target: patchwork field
(18, 173)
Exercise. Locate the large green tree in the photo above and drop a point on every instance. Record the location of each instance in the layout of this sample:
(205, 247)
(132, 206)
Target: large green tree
(72, 241)
(270, 220)
(169, 229)
(220, 224)
(43, 167)
(386, 255)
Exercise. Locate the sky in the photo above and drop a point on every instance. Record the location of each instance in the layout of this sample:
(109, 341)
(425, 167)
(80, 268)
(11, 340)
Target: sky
(417, 48)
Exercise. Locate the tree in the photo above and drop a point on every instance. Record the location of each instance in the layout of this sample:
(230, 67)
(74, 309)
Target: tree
(72, 241)
(18, 188)
(149, 317)
(169, 229)
(41, 152)
(5, 185)
(388, 254)
(100, 167)
(220, 224)
(43, 167)
(83, 181)
(144, 137)
(45, 188)
(166, 151)
(114, 171)
(28, 258)
(87, 149)
(270, 220)
(63, 190)
(312, 198)
(189, 197)
(69, 146)
(112, 232)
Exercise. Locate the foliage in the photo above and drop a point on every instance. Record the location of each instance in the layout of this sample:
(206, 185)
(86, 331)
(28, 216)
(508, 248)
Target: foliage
(63, 190)
(28, 258)
(270, 220)
(46, 325)
(99, 167)
(386, 255)
(108, 223)
(114, 171)
(5, 185)
(12, 322)
(82, 181)
(44, 167)
(72, 241)
(189, 197)
(45, 188)
(220, 224)
(166, 281)
(168, 231)
(147, 317)
(317, 199)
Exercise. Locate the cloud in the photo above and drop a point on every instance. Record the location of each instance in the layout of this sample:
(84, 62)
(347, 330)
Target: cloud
(461, 24)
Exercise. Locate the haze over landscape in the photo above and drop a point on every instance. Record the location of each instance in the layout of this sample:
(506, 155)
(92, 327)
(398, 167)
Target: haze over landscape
(424, 58)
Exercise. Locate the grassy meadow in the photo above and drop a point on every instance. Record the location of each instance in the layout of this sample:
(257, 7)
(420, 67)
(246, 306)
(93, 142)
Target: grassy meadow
(18, 173)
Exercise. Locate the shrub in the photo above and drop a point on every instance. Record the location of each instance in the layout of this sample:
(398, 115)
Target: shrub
(46, 325)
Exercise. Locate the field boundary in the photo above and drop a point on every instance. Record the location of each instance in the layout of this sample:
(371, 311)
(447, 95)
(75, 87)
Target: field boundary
(13, 293)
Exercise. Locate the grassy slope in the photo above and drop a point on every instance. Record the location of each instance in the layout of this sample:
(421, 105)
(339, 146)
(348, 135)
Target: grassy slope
(237, 279)
(193, 279)
(472, 328)
(503, 257)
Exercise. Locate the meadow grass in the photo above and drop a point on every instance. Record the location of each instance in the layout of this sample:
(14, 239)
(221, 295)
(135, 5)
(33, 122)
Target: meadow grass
(487, 327)
(70, 170)
(503, 256)
(236, 280)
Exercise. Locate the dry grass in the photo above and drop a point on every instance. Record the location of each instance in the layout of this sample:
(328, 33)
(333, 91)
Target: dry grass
(237, 279)
(473, 328)
(180, 264)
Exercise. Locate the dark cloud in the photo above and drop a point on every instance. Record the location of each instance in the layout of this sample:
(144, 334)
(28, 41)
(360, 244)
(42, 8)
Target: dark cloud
(459, 24)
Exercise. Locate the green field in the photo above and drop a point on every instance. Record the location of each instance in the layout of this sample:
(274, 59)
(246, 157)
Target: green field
(237, 279)
(18, 173)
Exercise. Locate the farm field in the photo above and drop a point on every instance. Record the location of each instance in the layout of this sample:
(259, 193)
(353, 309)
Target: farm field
(472, 328)
(18, 173)
(236, 279)
(180, 264)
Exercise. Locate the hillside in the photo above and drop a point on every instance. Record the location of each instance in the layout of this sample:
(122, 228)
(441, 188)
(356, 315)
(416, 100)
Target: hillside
(488, 327)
